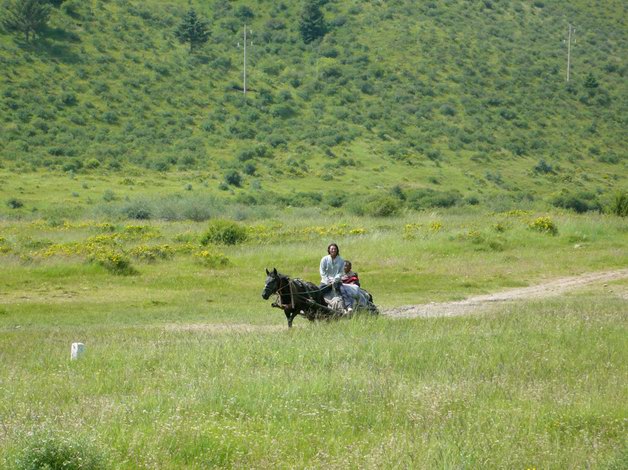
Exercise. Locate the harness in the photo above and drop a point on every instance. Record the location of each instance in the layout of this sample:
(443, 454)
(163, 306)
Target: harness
(293, 285)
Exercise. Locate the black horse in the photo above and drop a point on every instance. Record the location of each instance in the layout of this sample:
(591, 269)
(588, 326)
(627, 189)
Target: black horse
(296, 297)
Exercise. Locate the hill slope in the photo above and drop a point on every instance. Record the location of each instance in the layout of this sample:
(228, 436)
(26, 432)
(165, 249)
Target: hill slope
(437, 103)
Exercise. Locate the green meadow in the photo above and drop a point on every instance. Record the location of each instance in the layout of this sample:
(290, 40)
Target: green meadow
(440, 144)
(187, 367)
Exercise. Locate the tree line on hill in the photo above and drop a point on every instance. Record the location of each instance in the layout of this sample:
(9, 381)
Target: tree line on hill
(30, 18)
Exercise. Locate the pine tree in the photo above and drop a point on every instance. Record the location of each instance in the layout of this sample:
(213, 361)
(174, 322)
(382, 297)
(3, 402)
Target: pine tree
(192, 30)
(591, 82)
(312, 25)
(29, 17)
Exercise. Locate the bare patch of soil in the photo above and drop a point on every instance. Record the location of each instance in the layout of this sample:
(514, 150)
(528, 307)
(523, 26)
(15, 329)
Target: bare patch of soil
(540, 291)
(222, 327)
(444, 309)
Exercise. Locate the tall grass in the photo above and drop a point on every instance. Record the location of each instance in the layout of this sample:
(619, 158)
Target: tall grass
(187, 367)
(532, 385)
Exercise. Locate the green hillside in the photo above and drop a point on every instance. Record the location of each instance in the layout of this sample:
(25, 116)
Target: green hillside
(414, 104)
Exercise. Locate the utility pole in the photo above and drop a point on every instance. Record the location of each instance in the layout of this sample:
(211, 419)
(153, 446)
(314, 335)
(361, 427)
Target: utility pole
(244, 64)
(244, 72)
(569, 48)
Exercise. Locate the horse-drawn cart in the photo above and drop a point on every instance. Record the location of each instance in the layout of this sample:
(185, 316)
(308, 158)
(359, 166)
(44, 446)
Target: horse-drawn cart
(299, 297)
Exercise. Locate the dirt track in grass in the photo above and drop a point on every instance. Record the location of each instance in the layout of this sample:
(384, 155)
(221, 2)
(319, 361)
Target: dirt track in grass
(470, 305)
(546, 289)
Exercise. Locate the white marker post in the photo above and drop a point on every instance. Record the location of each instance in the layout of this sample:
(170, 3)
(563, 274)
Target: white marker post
(77, 350)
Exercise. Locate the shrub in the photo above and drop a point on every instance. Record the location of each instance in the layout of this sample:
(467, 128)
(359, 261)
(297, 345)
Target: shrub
(15, 203)
(246, 154)
(5, 247)
(110, 117)
(609, 158)
(152, 253)
(113, 261)
(198, 209)
(433, 155)
(138, 210)
(244, 13)
(92, 164)
(250, 169)
(397, 192)
(212, 259)
(224, 232)
(619, 205)
(335, 199)
(276, 140)
(187, 161)
(383, 206)
(49, 451)
(580, 202)
(426, 198)
(448, 110)
(108, 195)
(208, 126)
(66, 99)
(71, 8)
(543, 167)
(252, 152)
(544, 225)
(304, 199)
(233, 178)
(472, 200)
(283, 111)
(161, 163)
(507, 114)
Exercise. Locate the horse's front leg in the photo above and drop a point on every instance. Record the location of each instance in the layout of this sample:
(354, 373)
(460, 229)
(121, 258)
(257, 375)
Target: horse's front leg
(290, 316)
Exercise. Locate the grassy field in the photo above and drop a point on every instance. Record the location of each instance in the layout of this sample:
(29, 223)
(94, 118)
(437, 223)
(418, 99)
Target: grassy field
(428, 139)
(187, 367)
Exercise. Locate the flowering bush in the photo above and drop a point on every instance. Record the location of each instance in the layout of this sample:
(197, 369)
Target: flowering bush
(105, 227)
(4, 245)
(544, 225)
(410, 231)
(436, 226)
(212, 259)
(499, 227)
(276, 232)
(516, 213)
(140, 232)
(152, 253)
(113, 261)
(474, 236)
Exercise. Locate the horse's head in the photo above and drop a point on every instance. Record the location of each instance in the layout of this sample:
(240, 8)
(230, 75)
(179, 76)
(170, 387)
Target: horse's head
(273, 281)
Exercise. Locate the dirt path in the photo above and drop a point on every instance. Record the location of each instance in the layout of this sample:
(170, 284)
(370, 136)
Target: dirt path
(540, 291)
(443, 309)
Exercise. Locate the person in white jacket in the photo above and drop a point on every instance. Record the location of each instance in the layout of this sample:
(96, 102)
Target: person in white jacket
(332, 266)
